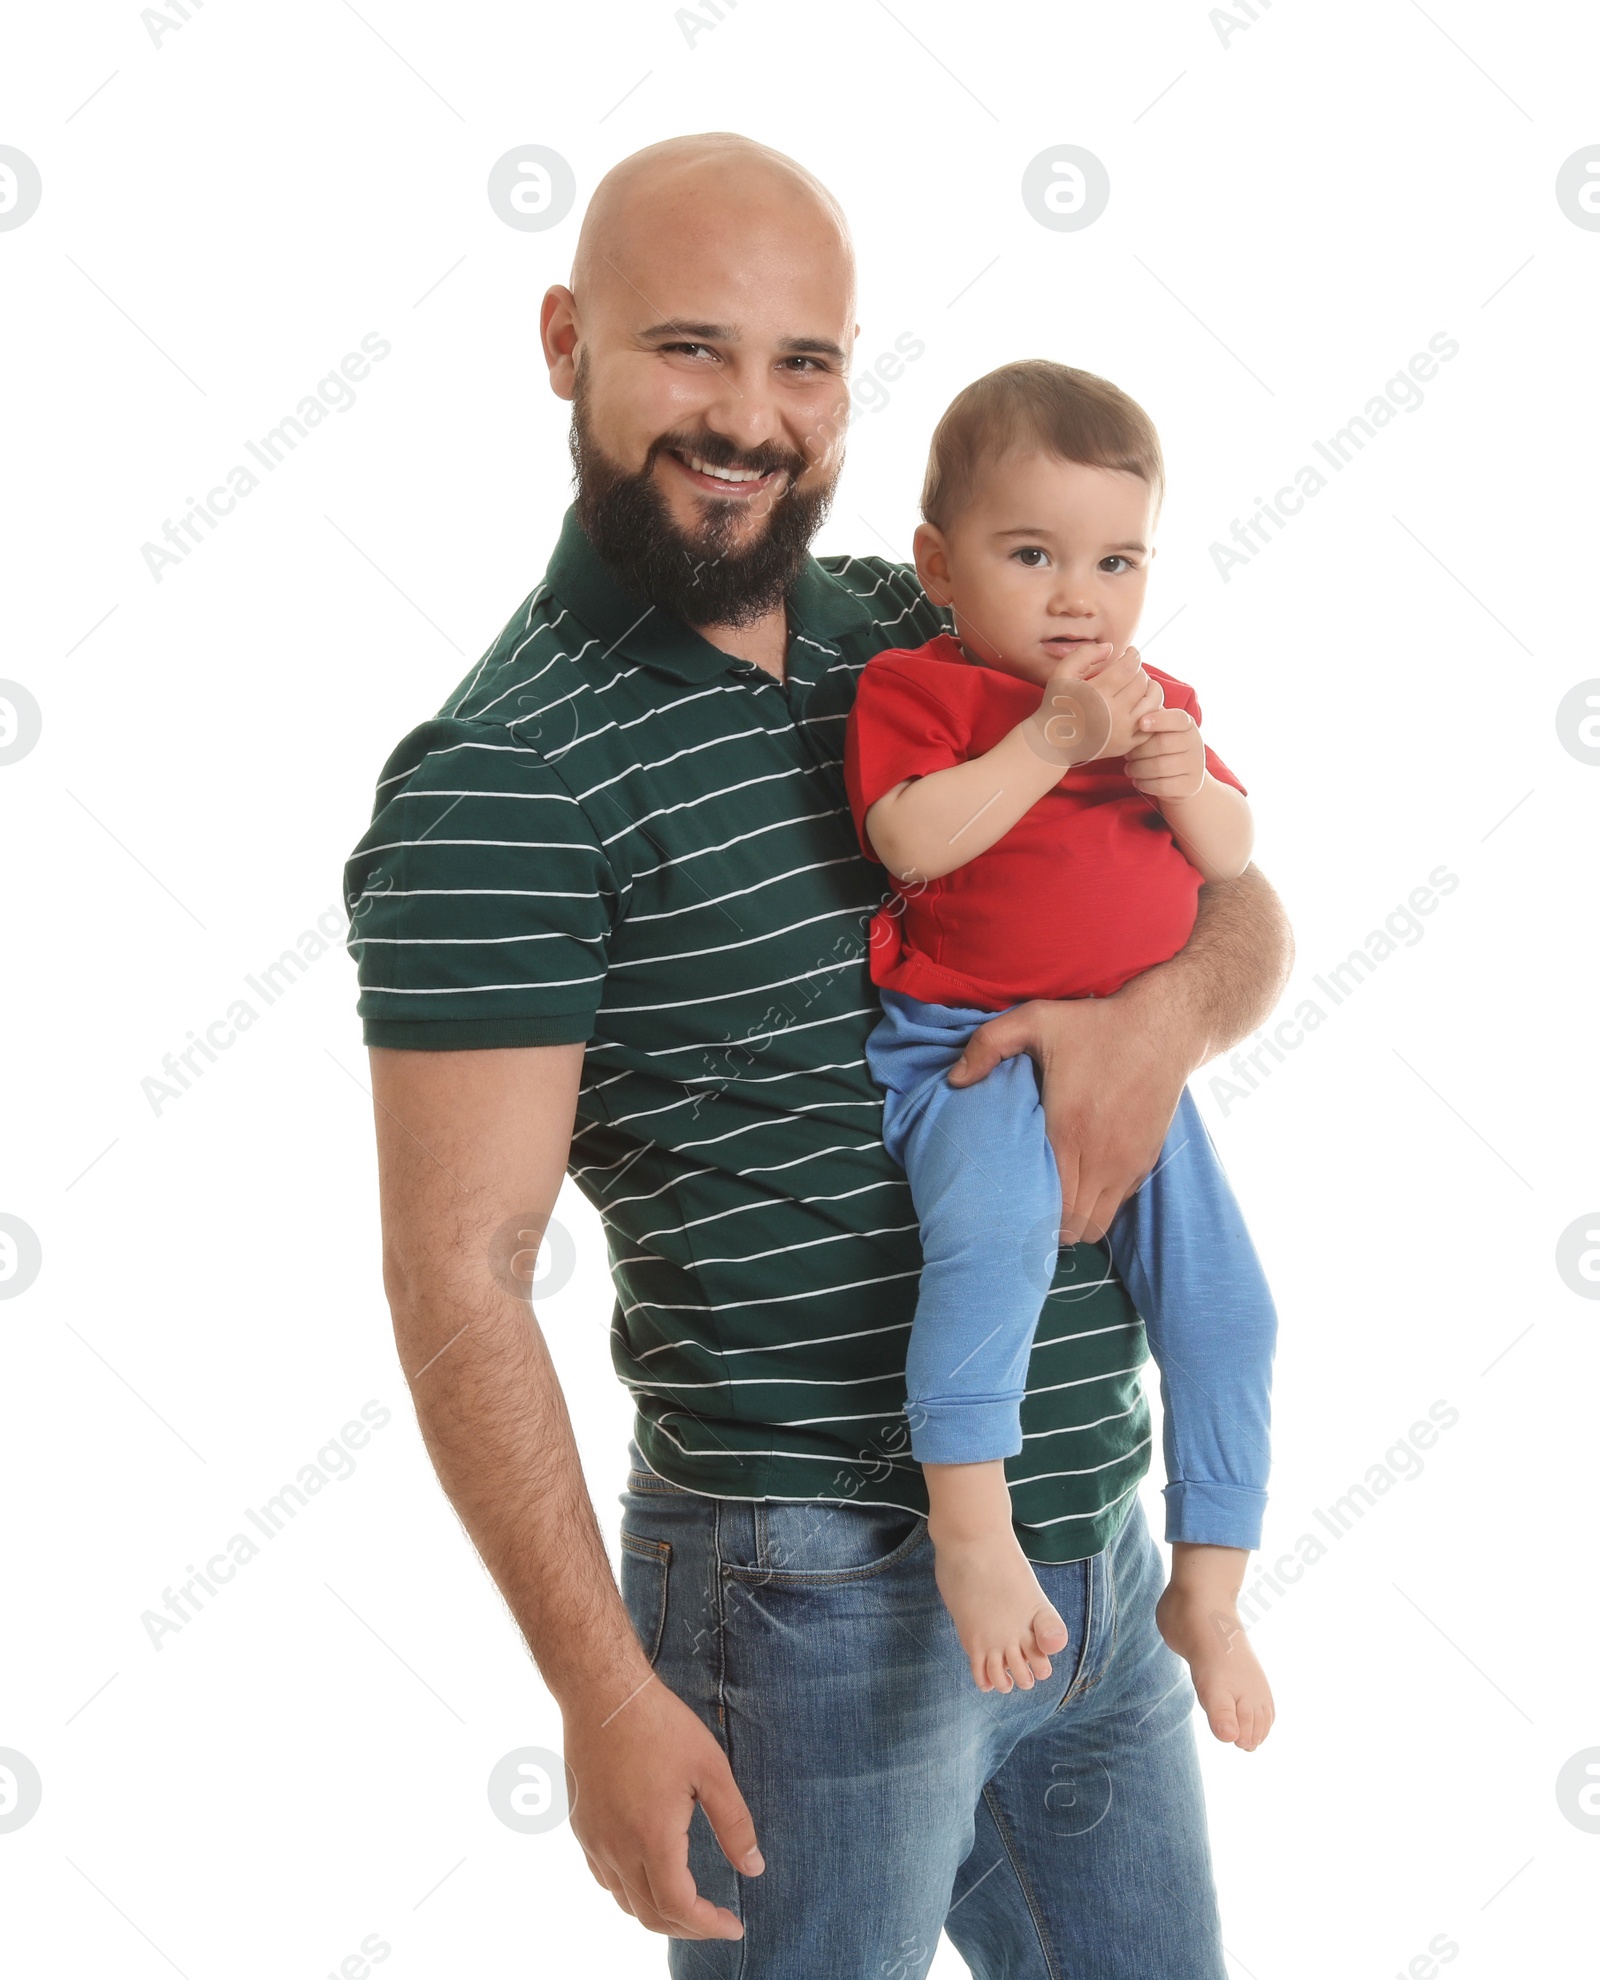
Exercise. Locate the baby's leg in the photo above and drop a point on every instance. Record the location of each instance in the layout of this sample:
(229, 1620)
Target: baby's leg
(1006, 1624)
(1198, 1616)
(988, 1199)
(1182, 1250)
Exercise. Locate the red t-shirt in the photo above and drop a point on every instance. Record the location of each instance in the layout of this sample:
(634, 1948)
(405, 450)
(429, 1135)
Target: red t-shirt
(1087, 889)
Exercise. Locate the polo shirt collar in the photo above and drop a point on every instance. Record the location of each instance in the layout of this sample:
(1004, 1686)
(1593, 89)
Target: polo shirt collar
(577, 576)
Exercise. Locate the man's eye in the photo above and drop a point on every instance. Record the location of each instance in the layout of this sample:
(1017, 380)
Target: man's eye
(684, 347)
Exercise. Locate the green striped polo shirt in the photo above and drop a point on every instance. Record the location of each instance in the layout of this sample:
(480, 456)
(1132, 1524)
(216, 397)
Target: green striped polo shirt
(615, 833)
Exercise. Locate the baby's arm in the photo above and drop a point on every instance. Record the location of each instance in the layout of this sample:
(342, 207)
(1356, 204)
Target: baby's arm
(928, 826)
(1209, 819)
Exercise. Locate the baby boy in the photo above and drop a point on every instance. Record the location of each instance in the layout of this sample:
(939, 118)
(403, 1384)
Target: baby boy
(1047, 813)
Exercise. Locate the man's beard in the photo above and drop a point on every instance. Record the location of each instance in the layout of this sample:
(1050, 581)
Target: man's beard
(697, 578)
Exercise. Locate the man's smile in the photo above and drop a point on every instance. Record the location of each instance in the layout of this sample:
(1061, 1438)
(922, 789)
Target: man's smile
(729, 483)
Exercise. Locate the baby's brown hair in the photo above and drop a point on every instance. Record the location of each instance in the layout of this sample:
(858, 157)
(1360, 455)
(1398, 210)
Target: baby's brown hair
(1036, 403)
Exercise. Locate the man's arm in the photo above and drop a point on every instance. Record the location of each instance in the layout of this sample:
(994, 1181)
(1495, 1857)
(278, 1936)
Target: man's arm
(1113, 1067)
(470, 1143)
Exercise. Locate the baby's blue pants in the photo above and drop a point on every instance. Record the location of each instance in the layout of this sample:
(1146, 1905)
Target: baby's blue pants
(987, 1193)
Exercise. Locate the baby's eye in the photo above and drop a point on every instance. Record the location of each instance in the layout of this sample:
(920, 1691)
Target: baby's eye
(1115, 559)
(1028, 551)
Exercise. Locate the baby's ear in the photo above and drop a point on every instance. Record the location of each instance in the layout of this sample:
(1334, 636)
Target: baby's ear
(932, 557)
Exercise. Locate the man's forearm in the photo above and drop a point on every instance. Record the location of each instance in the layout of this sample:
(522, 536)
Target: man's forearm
(1226, 979)
(472, 1147)
(495, 1423)
(467, 1141)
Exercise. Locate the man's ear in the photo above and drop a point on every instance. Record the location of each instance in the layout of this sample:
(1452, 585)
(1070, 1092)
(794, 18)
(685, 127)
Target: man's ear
(558, 334)
(932, 556)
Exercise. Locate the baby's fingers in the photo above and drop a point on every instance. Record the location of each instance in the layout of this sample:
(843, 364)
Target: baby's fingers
(1149, 751)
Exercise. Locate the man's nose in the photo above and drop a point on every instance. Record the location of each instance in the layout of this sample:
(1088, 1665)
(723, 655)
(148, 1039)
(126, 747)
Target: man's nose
(745, 412)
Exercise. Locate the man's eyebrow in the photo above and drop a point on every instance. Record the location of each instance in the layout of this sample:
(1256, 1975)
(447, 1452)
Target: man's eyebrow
(812, 347)
(724, 333)
(678, 326)
(1038, 529)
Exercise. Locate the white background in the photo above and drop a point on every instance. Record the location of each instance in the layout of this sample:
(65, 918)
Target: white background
(1297, 206)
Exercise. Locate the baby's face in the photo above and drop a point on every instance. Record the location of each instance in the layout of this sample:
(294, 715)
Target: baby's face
(1049, 557)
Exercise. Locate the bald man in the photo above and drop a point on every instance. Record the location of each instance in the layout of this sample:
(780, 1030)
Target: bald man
(610, 920)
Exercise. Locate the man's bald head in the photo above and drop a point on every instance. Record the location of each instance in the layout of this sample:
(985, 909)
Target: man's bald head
(705, 346)
(689, 188)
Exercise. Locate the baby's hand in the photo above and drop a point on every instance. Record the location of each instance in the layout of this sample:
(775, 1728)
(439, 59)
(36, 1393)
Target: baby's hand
(1082, 664)
(1132, 695)
(1168, 759)
(1073, 719)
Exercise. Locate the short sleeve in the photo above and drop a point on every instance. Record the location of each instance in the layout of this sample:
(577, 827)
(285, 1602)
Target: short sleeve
(897, 729)
(1178, 694)
(481, 902)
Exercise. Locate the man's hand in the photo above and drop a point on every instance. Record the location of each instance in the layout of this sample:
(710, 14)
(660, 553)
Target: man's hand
(1111, 1088)
(1112, 1068)
(639, 1768)
(1168, 759)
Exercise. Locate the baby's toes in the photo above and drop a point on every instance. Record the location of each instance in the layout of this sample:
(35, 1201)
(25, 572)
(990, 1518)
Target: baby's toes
(1222, 1712)
(1038, 1662)
(1049, 1632)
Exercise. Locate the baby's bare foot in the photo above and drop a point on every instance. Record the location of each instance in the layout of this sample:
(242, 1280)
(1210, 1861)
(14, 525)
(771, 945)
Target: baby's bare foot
(1007, 1624)
(1004, 1619)
(1228, 1680)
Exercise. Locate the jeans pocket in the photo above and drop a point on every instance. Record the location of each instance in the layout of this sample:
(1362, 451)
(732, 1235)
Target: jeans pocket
(817, 1544)
(645, 1564)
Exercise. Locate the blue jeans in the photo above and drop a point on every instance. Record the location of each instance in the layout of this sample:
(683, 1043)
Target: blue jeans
(987, 1193)
(1051, 1833)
